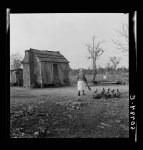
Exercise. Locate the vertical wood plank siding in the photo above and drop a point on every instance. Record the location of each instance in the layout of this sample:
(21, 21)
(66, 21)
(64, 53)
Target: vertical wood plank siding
(12, 77)
(31, 63)
(65, 73)
(19, 77)
(46, 72)
(16, 76)
(37, 71)
(26, 70)
(60, 73)
(26, 75)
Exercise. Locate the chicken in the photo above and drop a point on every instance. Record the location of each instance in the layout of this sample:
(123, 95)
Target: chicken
(103, 94)
(97, 95)
(113, 94)
(108, 94)
(117, 94)
(95, 91)
(103, 91)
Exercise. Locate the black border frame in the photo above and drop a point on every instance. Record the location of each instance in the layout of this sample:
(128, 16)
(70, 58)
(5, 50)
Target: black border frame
(132, 66)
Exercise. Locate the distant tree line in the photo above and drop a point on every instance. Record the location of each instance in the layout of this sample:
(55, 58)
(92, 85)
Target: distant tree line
(100, 70)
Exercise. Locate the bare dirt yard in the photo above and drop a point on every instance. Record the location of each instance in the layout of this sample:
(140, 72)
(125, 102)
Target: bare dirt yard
(57, 113)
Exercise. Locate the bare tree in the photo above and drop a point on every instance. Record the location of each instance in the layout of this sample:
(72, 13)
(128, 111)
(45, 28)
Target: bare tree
(95, 51)
(115, 61)
(123, 44)
(15, 61)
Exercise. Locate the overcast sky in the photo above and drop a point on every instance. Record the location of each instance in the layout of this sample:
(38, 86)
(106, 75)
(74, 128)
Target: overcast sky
(67, 33)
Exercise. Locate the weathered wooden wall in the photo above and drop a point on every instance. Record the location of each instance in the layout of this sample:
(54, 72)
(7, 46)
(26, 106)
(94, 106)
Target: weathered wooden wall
(47, 72)
(19, 77)
(31, 66)
(60, 71)
(48, 76)
(16, 77)
(26, 75)
(12, 76)
(65, 72)
(37, 71)
(26, 70)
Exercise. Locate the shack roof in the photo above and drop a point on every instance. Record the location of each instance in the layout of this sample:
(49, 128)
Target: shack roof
(49, 56)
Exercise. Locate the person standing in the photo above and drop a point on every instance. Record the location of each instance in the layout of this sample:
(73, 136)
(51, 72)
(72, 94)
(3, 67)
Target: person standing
(81, 81)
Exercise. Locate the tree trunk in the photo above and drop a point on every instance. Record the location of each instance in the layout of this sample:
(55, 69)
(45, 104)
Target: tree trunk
(94, 74)
(113, 74)
(94, 70)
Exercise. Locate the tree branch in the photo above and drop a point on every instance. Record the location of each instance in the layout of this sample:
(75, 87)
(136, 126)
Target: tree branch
(121, 45)
(98, 44)
(124, 44)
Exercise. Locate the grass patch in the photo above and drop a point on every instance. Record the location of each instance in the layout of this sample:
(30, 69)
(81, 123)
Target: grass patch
(45, 119)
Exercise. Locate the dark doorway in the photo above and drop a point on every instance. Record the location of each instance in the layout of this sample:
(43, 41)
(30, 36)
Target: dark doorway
(55, 73)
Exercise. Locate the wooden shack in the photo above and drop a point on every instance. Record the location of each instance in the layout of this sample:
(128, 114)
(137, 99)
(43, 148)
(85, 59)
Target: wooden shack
(42, 67)
(16, 77)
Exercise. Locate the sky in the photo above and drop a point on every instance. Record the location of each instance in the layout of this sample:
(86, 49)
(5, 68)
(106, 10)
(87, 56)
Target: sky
(68, 33)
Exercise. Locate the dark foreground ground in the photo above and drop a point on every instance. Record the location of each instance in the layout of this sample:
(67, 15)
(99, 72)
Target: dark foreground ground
(57, 113)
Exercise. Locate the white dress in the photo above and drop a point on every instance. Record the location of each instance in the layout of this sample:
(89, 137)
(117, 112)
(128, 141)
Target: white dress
(81, 85)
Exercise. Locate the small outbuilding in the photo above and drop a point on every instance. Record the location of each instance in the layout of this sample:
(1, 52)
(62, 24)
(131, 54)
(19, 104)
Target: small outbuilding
(43, 68)
(16, 77)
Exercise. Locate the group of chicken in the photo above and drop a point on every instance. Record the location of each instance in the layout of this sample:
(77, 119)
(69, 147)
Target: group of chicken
(108, 94)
